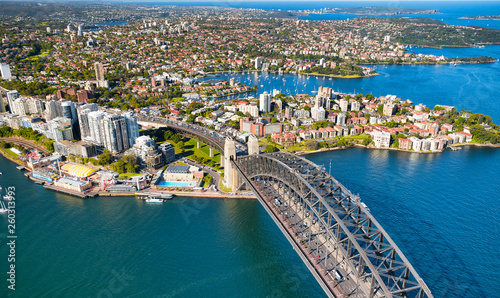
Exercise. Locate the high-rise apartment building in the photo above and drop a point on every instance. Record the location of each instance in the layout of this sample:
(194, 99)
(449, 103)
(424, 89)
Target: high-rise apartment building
(99, 71)
(132, 127)
(5, 70)
(95, 127)
(265, 102)
(2, 103)
(11, 97)
(115, 133)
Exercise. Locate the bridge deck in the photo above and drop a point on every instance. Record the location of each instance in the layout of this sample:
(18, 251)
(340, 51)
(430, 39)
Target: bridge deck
(345, 248)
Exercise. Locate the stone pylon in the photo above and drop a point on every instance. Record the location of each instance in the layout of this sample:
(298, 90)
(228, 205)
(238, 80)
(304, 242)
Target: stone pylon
(253, 145)
(231, 177)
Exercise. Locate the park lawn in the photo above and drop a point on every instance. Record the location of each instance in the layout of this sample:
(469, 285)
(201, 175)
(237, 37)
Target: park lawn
(41, 55)
(296, 147)
(223, 188)
(190, 150)
(359, 137)
(10, 153)
(128, 175)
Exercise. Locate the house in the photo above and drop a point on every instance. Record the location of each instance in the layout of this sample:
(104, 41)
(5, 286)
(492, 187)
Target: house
(405, 144)
(468, 136)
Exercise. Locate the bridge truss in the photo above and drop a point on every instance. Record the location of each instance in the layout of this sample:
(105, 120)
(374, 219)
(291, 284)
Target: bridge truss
(325, 220)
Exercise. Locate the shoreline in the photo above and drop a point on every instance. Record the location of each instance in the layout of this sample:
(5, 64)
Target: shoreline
(288, 72)
(216, 195)
(300, 153)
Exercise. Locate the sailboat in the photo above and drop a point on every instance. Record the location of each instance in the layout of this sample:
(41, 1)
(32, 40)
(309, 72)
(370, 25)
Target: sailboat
(2, 207)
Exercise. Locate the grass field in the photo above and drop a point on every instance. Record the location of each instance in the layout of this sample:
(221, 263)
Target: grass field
(44, 54)
(191, 151)
(8, 152)
(357, 137)
(128, 175)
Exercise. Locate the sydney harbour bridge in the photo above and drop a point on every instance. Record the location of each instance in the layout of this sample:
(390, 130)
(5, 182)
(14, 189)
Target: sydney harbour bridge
(342, 244)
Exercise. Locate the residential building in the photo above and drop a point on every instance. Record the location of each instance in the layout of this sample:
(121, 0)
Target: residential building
(83, 119)
(344, 105)
(96, 128)
(355, 106)
(417, 143)
(81, 149)
(132, 127)
(265, 102)
(115, 133)
(405, 144)
(11, 97)
(381, 139)
(5, 70)
(168, 151)
(341, 119)
(284, 139)
(389, 109)
(318, 114)
(59, 129)
(2, 103)
(258, 63)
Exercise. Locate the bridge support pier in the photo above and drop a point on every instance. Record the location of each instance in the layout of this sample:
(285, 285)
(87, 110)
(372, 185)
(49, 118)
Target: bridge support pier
(253, 145)
(231, 177)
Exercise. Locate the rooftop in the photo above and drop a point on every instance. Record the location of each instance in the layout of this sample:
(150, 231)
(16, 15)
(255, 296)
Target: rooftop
(178, 169)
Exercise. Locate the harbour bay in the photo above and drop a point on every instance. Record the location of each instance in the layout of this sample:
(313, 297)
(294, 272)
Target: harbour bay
(191, 247)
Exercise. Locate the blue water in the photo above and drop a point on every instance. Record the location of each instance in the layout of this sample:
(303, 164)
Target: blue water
(441, 209)
(124, 247)
(177, 183)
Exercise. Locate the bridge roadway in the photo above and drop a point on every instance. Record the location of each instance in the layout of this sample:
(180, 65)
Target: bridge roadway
(331, 229)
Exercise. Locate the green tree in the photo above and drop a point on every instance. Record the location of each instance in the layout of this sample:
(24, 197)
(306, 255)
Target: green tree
(105, 158)
(176, 138)
(312, 144)
(181, 146)
(269, 149)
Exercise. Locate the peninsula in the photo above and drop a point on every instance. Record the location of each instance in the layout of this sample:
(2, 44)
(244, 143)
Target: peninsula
(376, 11)
(482, 18)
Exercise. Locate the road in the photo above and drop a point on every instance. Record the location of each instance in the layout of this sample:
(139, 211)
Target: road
(326, 258)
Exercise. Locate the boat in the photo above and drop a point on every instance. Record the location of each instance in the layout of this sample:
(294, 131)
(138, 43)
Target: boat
(455, 148)
(1, 174)
(154, 200)
(3, 208)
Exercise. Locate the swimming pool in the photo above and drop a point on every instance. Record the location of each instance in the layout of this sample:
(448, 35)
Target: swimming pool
(177, 184)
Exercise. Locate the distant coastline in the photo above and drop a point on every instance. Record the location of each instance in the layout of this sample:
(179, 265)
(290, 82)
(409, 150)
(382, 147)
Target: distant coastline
(482, 18)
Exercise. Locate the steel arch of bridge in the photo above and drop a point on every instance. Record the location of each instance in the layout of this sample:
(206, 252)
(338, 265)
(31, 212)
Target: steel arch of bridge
(381, 268)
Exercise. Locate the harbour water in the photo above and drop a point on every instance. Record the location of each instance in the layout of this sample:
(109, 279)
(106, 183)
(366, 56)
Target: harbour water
(441, 209)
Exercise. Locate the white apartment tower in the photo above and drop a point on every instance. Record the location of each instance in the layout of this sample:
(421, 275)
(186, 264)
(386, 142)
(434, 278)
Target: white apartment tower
(11, 97)
(132, 128)
(115, 133)
(95, 127)
(5, 70)
(265, 102)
